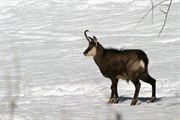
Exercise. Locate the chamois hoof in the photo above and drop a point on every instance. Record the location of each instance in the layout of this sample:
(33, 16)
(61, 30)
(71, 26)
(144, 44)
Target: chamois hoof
(134, 101)
(152, 99)
(113, 100)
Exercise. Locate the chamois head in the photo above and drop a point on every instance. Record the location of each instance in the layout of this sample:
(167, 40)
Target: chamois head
(92, 48)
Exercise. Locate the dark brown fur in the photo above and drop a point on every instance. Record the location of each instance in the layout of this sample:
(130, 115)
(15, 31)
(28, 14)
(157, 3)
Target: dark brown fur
(122, 64)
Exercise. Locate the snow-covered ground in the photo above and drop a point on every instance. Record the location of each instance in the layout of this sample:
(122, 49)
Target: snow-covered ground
(42, 43)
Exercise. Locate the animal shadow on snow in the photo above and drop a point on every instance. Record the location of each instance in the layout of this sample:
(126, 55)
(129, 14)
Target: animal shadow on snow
(140, 99)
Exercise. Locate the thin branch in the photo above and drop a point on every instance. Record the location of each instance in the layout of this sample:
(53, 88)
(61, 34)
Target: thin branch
(153, 7)
(166, 5)
(131, 2)
(163, 11)
(17, 72)
(165, 18)
(118, 116)
(151, 10)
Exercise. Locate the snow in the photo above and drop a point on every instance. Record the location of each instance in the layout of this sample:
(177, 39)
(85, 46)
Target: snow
(42, 60)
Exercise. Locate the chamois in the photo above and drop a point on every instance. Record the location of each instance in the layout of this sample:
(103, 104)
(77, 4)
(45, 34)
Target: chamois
(121, 64)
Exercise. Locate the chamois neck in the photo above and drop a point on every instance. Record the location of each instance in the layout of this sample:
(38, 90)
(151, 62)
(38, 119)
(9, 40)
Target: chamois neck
(99, 53)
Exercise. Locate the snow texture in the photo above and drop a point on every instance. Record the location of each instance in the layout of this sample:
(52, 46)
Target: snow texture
(42, 60)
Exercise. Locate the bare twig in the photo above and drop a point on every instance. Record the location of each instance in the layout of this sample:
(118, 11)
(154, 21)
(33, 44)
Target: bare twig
(12, 105)
(151, 10)
(17, 72)
(165, 18)
(165, 12)
(132, 2)
(11, 101)
(17, 77)
(13, 85)
(118, 116)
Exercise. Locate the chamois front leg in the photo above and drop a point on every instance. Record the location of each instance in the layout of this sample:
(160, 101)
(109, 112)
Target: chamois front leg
(114, 94)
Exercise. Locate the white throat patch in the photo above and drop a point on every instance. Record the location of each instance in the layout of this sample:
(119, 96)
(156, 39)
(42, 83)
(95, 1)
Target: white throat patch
(92, 52)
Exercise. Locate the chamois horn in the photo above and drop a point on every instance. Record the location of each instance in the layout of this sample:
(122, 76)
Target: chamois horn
(86, 35)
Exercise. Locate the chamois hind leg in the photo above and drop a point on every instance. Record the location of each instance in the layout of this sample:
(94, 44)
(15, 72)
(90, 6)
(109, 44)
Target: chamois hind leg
(148, 79)
(137, 85)
(114, 94)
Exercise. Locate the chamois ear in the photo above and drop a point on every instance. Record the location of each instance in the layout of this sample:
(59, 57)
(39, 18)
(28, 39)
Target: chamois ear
(95, 39)
(91, 38)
